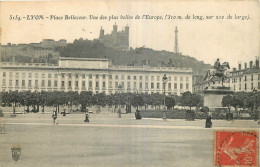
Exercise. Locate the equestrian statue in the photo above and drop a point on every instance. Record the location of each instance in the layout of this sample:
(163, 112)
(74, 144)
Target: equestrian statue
(219, 71)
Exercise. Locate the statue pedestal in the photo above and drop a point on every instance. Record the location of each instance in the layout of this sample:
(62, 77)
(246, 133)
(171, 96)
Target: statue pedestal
(213, 96)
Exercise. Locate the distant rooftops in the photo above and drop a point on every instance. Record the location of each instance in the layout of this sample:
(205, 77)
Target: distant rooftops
(59, 42)
(82, 59)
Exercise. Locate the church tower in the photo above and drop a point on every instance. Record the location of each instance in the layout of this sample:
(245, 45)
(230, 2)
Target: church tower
(114, 28)
(101, 32)
(176, 47)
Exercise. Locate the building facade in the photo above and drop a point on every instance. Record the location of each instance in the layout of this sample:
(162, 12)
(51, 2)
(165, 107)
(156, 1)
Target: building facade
(242, 79)
(93, 74)
(34, 50)
(246, 79)
(118, 40)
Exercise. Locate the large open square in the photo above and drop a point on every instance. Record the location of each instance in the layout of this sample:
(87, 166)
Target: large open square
(111, 141)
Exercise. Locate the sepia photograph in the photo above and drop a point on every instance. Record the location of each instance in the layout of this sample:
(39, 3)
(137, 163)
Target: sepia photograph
(129, 83)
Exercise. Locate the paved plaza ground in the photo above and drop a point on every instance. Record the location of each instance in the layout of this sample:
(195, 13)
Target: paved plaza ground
(110, 141)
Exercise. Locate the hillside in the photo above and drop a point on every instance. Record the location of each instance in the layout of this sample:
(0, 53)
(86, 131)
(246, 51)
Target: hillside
(139, 56)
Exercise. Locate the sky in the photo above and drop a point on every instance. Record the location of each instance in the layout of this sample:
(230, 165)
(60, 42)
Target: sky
(231, 40)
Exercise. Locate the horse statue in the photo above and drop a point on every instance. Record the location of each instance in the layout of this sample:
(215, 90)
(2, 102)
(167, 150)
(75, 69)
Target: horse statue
(221, 73)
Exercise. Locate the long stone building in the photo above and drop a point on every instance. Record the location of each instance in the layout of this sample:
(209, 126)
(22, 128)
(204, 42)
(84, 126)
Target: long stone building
(93, 74)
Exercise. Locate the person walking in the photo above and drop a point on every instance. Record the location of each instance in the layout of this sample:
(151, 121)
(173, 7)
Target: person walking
(119, 113)
(54, 116)
(86, 116)
(208, 121)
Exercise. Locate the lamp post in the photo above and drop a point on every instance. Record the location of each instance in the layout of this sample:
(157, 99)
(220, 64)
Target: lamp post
(119, 110)
(255, 109)
(69, 107)
(164, 79)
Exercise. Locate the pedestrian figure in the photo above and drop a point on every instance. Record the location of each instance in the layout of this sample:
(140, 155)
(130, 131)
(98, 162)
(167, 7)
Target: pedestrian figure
(208, 121)
(64, 112)
(138, 115)
(86, 116)
(54, 116)
(119, 113)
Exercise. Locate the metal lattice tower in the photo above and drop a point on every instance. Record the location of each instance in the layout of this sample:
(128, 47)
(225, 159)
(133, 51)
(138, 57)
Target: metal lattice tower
(176, 47)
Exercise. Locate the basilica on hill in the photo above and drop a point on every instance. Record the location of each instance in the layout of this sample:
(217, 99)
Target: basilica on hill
(118, 40)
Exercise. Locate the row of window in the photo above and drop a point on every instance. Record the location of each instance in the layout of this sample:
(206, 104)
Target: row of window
(36, 83)
(234, 80)
(90, 76)
(141, 86)
(36, 75)
(246, 86)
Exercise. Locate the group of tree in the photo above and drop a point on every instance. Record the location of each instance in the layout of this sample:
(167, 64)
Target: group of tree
(242, 100)
(34, 100)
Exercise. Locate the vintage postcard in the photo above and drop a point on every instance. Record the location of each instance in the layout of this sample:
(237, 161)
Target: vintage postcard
(129, 83)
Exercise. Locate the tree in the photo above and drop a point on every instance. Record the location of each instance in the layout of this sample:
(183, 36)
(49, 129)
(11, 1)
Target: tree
(100, 100)
(227, 102)
(127, 99)
(4, 98)
(85, 99)
(137, 100)
(13, 97)
(43, 99)
(237, 102)
(34, 100)
(111, 100)
(190, 100)
(243, 98)
(73, 98)
(25, 98)
(169, 102)
(146, 99)
(157, 99)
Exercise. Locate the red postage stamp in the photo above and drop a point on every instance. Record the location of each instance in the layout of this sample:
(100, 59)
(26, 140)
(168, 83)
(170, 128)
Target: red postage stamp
(236, 148)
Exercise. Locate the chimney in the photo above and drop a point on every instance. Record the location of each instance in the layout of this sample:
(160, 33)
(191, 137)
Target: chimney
(245, 66)
(239, 66)
(251, 64)
(257, 64)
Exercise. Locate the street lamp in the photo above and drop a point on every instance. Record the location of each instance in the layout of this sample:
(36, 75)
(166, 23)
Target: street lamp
(119, 110)
(164, 79)
(255, 96)
(69, 107)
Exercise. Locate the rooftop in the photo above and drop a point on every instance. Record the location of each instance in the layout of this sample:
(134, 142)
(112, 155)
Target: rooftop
(82, 59)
